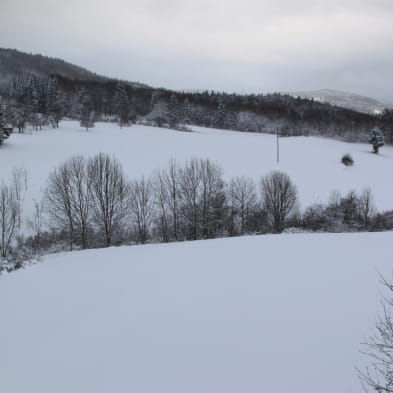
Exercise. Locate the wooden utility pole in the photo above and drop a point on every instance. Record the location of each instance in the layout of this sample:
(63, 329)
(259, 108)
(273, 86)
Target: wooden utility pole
(278, 147)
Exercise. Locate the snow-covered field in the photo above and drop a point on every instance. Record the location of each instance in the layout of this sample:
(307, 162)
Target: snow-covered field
(313, 163)
(273, 314)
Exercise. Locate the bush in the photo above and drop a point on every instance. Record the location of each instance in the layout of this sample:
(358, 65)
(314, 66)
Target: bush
(347, 160)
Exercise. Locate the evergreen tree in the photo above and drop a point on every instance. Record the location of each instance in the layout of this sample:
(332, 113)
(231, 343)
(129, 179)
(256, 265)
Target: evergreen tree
(54, 101)
(387, 123)
(376, 139)
(86, 113)
(187, 111)
(154, 99)
(220, 115)
(174, 111)
(121, 104)
(158, 110)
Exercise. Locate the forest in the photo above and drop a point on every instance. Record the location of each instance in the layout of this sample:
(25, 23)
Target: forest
(42, 91)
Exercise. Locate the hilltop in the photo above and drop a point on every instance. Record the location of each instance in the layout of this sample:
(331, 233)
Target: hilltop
(344, 99)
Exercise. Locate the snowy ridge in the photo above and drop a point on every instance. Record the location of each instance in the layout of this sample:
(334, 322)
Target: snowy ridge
(343, 99)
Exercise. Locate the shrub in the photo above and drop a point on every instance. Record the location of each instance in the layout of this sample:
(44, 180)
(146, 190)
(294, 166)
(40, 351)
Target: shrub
(347, 160)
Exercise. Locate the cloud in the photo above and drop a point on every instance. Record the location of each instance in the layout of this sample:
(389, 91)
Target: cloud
(214, 38)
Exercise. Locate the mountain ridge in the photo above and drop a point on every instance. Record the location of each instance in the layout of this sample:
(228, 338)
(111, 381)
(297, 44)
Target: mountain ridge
(14, 63)
(344, 99)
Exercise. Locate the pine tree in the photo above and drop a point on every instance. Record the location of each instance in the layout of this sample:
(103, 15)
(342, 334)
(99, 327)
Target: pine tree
(187, 111)
(174, 112)
(154, 99)
(86, 113)
(54, 101)
(376, 139)
(121, 104)
(220, 115)
(387, 123)
(158, 110)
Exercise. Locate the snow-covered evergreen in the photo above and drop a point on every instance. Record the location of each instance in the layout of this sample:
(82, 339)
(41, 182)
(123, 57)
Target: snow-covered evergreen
(121, 104)
(376, 139)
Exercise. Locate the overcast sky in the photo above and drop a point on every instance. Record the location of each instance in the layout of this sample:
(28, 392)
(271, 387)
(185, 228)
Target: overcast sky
(229, 45)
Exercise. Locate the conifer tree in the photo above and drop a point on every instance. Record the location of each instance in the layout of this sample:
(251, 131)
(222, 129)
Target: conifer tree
(86, 113)
(54, 101)
(154, 99)
(220, 116)
(376, 139)
(158, 110)
(187, 111)
(174, 112)
(121, 104)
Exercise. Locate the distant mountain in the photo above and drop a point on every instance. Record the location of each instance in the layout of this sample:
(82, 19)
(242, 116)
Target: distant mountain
(14, 63)
(343, 99)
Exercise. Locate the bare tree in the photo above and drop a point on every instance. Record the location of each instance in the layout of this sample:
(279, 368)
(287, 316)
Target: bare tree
(80, 197)
(367, 208)
(279, 199)
(166, 185)
(162, 202)
(190, 186)
(9, 216)
(243, 198)
(59, 199)
(37, 224)
(171, 179)
(202, 198)
(141, 207)
(333, 208)
(379, 347)
(212, 197)
(19, 184)
(109, 194)
(68, 198)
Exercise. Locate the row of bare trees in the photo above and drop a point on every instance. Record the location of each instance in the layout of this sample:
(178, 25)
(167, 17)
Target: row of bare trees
(95, 204)
(92, 199)
(351, 212)
(90, 202)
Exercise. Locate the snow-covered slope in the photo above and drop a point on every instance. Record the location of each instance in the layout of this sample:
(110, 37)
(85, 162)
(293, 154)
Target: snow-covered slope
(313, 163)
(273, 314)
(343, 99)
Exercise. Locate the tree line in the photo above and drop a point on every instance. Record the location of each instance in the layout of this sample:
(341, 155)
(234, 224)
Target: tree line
(90, 203)
(30, 99)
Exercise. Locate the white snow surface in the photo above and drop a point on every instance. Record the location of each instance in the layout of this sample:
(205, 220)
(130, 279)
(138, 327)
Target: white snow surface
(313, 163)
(271, 313)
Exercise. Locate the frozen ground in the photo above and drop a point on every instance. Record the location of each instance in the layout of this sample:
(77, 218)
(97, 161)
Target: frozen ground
(313, 163)
(273, 314)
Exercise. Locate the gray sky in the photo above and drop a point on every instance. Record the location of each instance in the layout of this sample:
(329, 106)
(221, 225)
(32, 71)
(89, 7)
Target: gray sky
(230, 45)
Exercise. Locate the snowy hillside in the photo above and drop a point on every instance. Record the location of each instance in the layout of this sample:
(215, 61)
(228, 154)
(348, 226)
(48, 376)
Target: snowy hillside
(313, 163)
(343, 99)
(273, 314)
